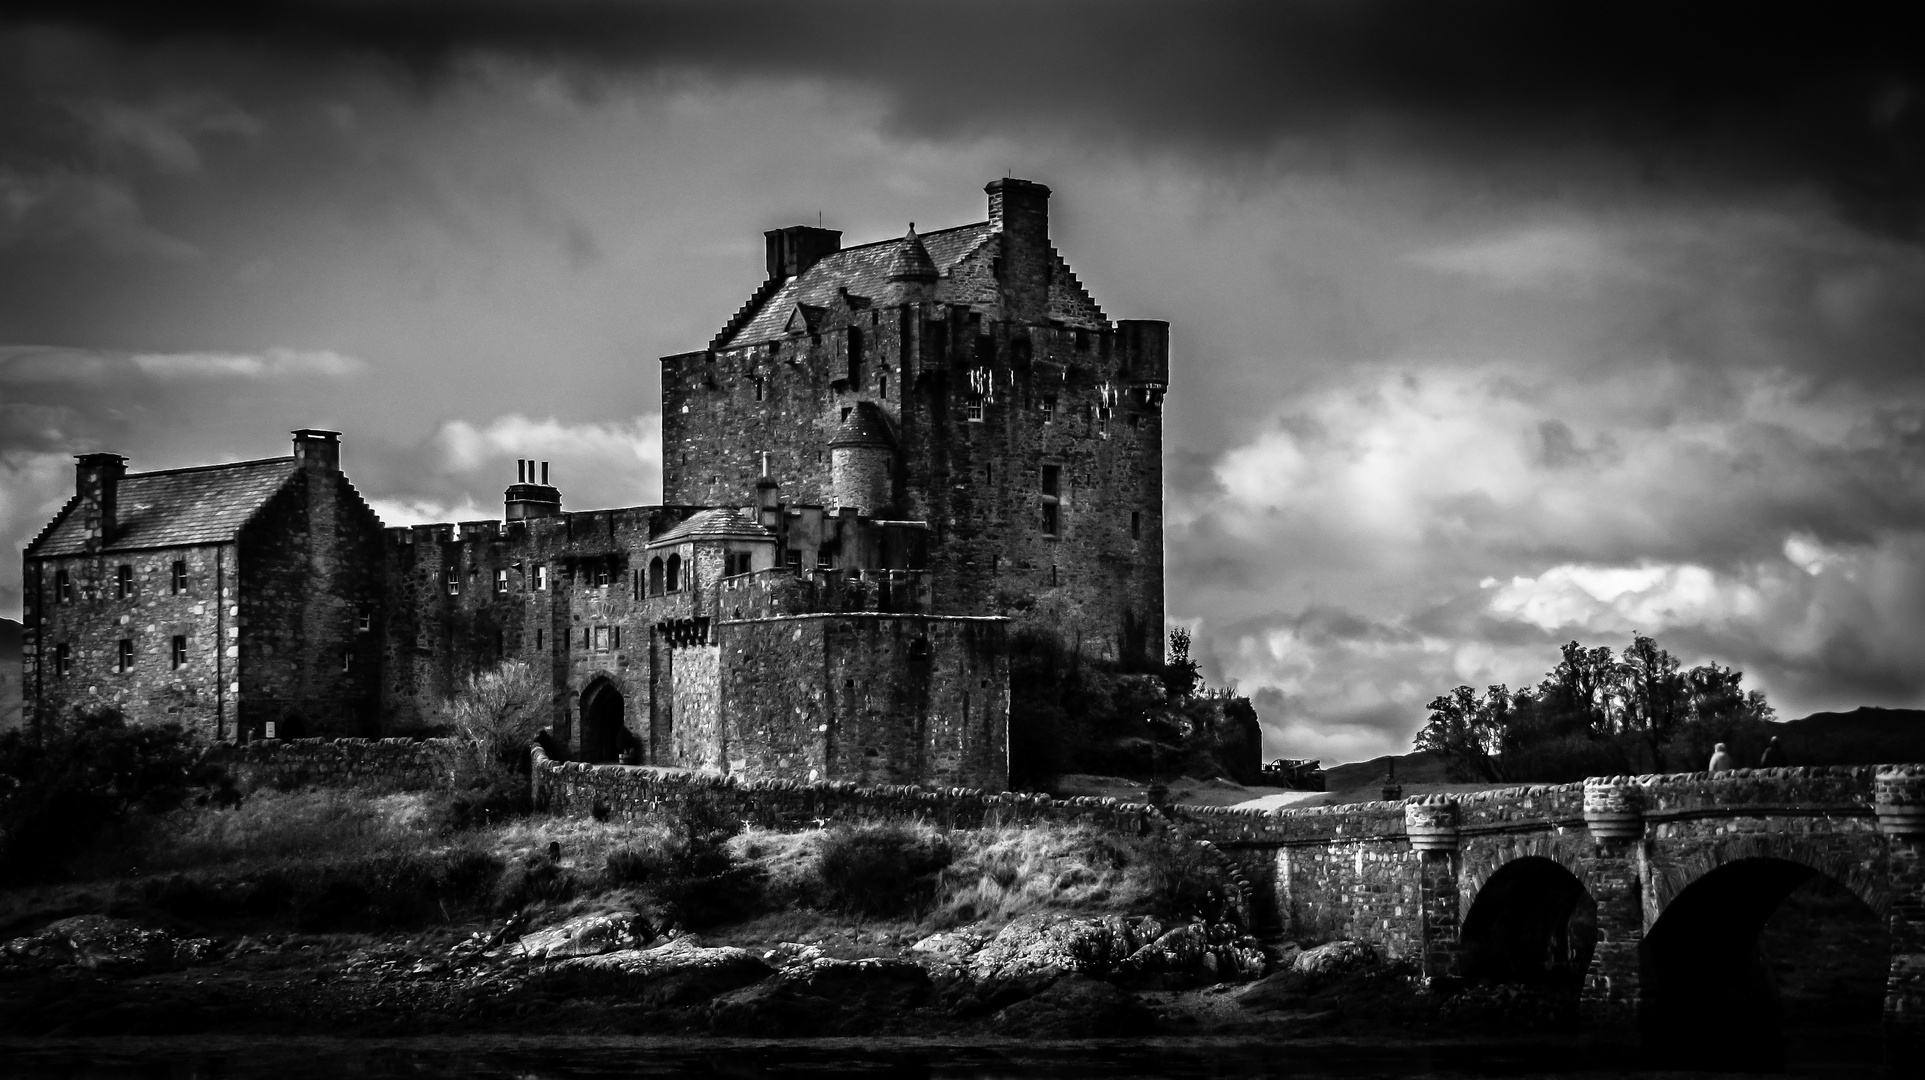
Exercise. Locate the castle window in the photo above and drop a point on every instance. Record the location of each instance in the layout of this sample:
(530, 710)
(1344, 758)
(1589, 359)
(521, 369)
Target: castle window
(1052, 521)
(177, 581)
(63, 587)
(347, 659)
(1082, 341)
(1052, 575)
(735, 563)
(501, 646)
(673, 577)
(617, 632)
(601, 639)
(365, 621)
(1136, 524)
(793, 560)
(601, 574)
(124, 662)
(541, 577)
(882, 387)
(1053, 480)
(1049, 410)
(655, 585)
(973, 412)
(63, 659)
(855, 358)
(123, 581)
(824, 558)
(501, 581)
(453, 580)
(539, 643)
(180, 652)
(758, 388)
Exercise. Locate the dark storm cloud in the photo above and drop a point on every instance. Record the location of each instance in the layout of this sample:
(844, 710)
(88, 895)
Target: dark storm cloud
(1740, 92)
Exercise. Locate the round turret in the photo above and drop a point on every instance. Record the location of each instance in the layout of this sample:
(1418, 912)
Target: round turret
(862, 461)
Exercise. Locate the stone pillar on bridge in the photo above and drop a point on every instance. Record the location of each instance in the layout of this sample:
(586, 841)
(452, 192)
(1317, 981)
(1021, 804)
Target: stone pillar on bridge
(1614, 815)
(1899, 801)
(1431, 825)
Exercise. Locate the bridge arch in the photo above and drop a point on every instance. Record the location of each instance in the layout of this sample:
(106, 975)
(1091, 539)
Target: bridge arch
(1707, 993)
(1484, 857)
(1840, 859)
(1530, 921)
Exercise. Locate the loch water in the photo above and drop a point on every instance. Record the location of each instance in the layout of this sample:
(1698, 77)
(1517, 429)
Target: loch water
(1844, 1056)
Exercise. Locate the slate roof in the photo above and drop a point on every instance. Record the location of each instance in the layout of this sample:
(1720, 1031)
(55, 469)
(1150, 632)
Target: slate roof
(203, 505)
(866, 270)
(864, 427)
(726, 523)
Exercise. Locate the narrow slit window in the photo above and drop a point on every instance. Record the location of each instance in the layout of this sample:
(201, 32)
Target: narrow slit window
(180, 651)
(177, 581)
(1049, 410)
(125, 660)
(63, 659)
(453, 580)
(541, 577)
(501, 581)
(1136, 524)
(123, 581)
(63, 587)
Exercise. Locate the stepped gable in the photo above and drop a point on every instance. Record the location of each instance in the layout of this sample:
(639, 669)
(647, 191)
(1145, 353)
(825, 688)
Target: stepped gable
(203, 505)
(866, 426)
(864, 271)
(725, 523)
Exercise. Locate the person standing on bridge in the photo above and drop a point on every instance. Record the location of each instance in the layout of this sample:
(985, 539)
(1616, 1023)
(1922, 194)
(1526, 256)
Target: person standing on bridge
(1721, 760)
(1773, 757)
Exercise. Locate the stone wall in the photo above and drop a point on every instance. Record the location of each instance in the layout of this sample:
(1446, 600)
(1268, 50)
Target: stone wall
(288, 763)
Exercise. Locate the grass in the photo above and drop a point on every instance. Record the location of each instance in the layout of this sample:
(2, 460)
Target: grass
(345, 859)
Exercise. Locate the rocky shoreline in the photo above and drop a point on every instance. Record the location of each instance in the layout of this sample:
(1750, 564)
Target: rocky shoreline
(1041, 976)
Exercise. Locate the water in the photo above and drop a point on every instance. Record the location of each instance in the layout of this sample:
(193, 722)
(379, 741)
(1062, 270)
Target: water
(592, 1058)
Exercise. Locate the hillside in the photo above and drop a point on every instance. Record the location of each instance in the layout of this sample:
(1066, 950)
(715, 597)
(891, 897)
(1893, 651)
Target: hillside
(1863, 736)
(9, 674)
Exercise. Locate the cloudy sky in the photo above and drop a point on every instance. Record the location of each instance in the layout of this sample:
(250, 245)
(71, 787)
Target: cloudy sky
(1495, 324)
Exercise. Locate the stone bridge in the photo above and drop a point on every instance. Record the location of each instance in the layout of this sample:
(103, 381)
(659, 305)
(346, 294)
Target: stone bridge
(1647, 892)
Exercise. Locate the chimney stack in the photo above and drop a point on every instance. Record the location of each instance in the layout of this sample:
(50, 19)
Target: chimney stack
(318, 449)
(527, 499)
(97, 483)
(1019, 213)
(794, 249)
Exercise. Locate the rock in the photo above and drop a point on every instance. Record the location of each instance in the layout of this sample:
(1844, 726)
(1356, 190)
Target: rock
(1336, 959)
(1044, 946)
(586, 935)
(1287, 989)
(109, 946)
(680, 973)
(1075, 1007)
(951, 946)
(788, 954)
(1197, 952)
(822, 997)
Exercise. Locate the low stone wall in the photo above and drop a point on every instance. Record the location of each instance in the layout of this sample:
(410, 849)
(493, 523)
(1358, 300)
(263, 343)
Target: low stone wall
(399, 763)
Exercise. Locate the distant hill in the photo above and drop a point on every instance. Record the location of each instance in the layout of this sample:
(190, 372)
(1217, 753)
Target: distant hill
(10, 633)
(1863, 736)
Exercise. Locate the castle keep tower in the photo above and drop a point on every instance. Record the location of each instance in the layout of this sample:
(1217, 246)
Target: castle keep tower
(963, 379)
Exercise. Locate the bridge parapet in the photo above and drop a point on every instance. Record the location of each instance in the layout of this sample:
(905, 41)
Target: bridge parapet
(1846, 787)
(1899, 800)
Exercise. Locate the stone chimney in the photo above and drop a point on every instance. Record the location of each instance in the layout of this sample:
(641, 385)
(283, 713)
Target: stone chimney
(798, 247)
(97, 483)
(1019, 213)
(530, 497)
(317, 449)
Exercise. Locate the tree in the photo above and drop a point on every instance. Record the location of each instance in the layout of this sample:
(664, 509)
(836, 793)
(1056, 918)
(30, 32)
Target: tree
(1582, 692)
(1656, 699)
(1180, 676)
(499, 712)
(1471, 733)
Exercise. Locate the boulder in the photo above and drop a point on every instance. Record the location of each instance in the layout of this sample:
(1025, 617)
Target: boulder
(586, 935)
(1197, 952)
(682, 972)
(822, 997)
(1043, 946)
(1075, 1007)
(950, 947)
(1336, 959)
(109, 946)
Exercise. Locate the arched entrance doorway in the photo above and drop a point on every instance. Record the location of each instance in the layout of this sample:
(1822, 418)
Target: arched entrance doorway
(1534, 924)
(602, 712)
(1761, 956)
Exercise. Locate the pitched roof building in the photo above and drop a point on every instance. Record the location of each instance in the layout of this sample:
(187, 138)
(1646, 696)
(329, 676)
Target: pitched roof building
(888, 451)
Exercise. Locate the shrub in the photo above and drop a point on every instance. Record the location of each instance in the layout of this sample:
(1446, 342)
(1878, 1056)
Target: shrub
(59, 793)
(689, 869)
(881, 870)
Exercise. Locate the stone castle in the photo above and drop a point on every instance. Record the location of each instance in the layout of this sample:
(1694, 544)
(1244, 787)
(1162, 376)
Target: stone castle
(888, 451)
